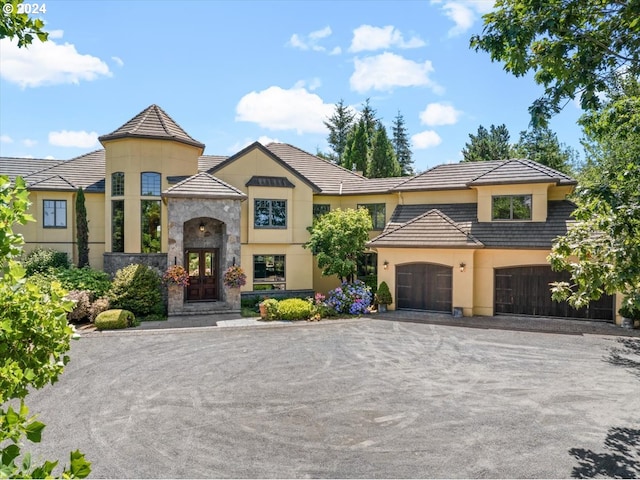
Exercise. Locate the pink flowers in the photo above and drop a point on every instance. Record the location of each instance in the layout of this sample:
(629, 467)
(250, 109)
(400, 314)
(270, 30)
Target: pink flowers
(234, 277)
(176, 275)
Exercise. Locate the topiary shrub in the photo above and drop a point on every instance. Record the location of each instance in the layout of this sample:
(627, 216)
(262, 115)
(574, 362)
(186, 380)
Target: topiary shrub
(82, 305)
(383, 295)
(42, 259)
(114, 319)
(137, 288)
(101, 304)
(294, 309)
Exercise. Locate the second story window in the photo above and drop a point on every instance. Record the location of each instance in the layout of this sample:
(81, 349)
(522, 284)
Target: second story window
(377, 212)
(150, 184)
(270, 214)
(511, 207)
(320, 209)
(117, 184)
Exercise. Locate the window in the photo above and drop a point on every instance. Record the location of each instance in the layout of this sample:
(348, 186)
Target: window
(54, 214)
(150, 226)
(117, 226)
(377, 212)
(511, 207)
(367, 265)
(117, 184)
(270, 214)
(268, 272)
(150, 184)
(320, 209)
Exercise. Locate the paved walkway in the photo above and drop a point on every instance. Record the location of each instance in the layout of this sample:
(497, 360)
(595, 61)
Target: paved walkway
(517, 323)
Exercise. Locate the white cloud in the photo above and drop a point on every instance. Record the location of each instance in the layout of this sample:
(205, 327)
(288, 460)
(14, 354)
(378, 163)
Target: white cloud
(264, 140)
(48, 63)
(464, 13)
(426, 139)
(50, 157)
(311, 41)
(6, 139)
(336, 51)
(278, 109)
(118, 61)
(27, 142)
(439, 114)
(79, 139)
(368, 37)
(388, 70)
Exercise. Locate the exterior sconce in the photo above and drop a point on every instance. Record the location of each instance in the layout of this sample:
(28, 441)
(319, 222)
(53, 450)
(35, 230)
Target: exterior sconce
(385, 265)
(201, 227)
(462, 266)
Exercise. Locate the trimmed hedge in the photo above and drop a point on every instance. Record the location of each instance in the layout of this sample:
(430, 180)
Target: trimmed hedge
(294, 309)
(114, 319)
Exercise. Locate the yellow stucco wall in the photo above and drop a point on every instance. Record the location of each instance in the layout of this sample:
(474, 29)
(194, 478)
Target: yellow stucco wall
(538, 192)
(134, 156)
(298, 264)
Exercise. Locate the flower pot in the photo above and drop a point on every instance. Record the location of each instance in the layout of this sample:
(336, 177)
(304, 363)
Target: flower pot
(627, 323)
(382, 307)
(263, 311)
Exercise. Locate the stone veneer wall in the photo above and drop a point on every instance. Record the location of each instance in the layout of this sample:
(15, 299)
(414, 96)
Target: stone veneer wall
(115, 261)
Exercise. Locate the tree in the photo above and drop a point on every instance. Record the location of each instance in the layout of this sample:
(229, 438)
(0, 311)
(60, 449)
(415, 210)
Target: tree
(602, 249)
(82, 230)
(383, 158)
(337, 238)
(339, 125)
(34, 339)
(400, 141)
(15, 23)
(356, 155)
(368, 117)
(575, 47)
(488, 145)
(541, 145)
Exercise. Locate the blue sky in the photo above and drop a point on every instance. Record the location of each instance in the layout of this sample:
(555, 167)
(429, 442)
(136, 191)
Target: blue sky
(231, 73)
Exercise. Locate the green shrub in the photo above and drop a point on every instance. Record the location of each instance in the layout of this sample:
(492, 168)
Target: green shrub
(383, 295)
(294, 309)
(250, 302)
(114, 319)
(42, 259)
(271, 307)
(137, 288)
(85, 278)
(81, 307)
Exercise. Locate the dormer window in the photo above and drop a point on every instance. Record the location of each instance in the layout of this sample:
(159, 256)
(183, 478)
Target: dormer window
(511, 207)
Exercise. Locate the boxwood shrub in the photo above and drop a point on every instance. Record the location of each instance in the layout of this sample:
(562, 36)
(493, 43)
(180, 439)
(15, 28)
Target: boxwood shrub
(137, 288)
(114, 319)
(294, 309)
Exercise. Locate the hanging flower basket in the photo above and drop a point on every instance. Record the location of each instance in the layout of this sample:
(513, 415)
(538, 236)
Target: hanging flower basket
(176, 275)
(234, 277)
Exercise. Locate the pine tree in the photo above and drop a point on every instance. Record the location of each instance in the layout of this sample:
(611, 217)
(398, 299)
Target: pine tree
(82, 230)
(401, 146)
(488, 145)
(541, 145)
(356, 155)
(383, 158)
(339, 125)
(368, 116)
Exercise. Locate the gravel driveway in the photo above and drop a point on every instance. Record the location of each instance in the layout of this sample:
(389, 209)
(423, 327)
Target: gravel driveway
(356, 398)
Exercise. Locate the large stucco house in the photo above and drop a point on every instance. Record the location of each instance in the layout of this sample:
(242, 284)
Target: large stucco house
(469, 238)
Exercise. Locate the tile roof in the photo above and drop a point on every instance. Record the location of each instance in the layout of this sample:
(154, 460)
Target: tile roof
(55, 182)
(431, 229)
(521, 171)
(506, 234)
(207, 162)
(203, 185)
(152, 122)
(86, 171)
(21, 167)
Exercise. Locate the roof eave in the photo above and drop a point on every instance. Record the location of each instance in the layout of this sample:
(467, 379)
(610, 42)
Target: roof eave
(121, 136)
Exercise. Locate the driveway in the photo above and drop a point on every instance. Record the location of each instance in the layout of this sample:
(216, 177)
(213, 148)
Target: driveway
(357, 398)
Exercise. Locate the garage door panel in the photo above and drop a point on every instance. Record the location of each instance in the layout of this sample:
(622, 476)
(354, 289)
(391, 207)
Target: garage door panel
(526, 291)
(424, 286)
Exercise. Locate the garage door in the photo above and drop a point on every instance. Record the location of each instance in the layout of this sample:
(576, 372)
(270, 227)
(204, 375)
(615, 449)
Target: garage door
(526, 291)
(424, 286)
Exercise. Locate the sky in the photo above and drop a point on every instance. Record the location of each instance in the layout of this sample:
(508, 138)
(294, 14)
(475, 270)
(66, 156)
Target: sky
(231, 73)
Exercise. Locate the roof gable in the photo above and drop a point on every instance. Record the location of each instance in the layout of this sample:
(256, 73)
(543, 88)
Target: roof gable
(21, 167)
(520, 171)
(85, 171)
(203, 185)
(55, 182)
(431, 229)
(153, 123)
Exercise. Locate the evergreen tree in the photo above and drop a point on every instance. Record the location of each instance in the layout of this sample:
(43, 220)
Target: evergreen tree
(383, 158)
(488, 145)
(541, 145)
(356, 155)
(82, 230)
(368, 116)
(339, 125)
(401, 146)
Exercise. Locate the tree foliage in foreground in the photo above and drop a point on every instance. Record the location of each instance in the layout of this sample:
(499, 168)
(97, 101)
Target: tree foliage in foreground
(602, 249)
(337, 238)
(574, 47)
(34, 339)
(20, 25)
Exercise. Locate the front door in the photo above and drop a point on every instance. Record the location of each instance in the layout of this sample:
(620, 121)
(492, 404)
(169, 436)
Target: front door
(203, 274)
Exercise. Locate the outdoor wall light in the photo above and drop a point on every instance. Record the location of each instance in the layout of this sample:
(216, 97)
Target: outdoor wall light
(202, 227)
(462, 266)
(385, 265)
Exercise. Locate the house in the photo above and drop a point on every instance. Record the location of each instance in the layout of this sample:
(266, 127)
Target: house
(469, 238)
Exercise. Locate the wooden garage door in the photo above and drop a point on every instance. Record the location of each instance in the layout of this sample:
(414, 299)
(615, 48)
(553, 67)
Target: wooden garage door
(526, 291)
(424, 286)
